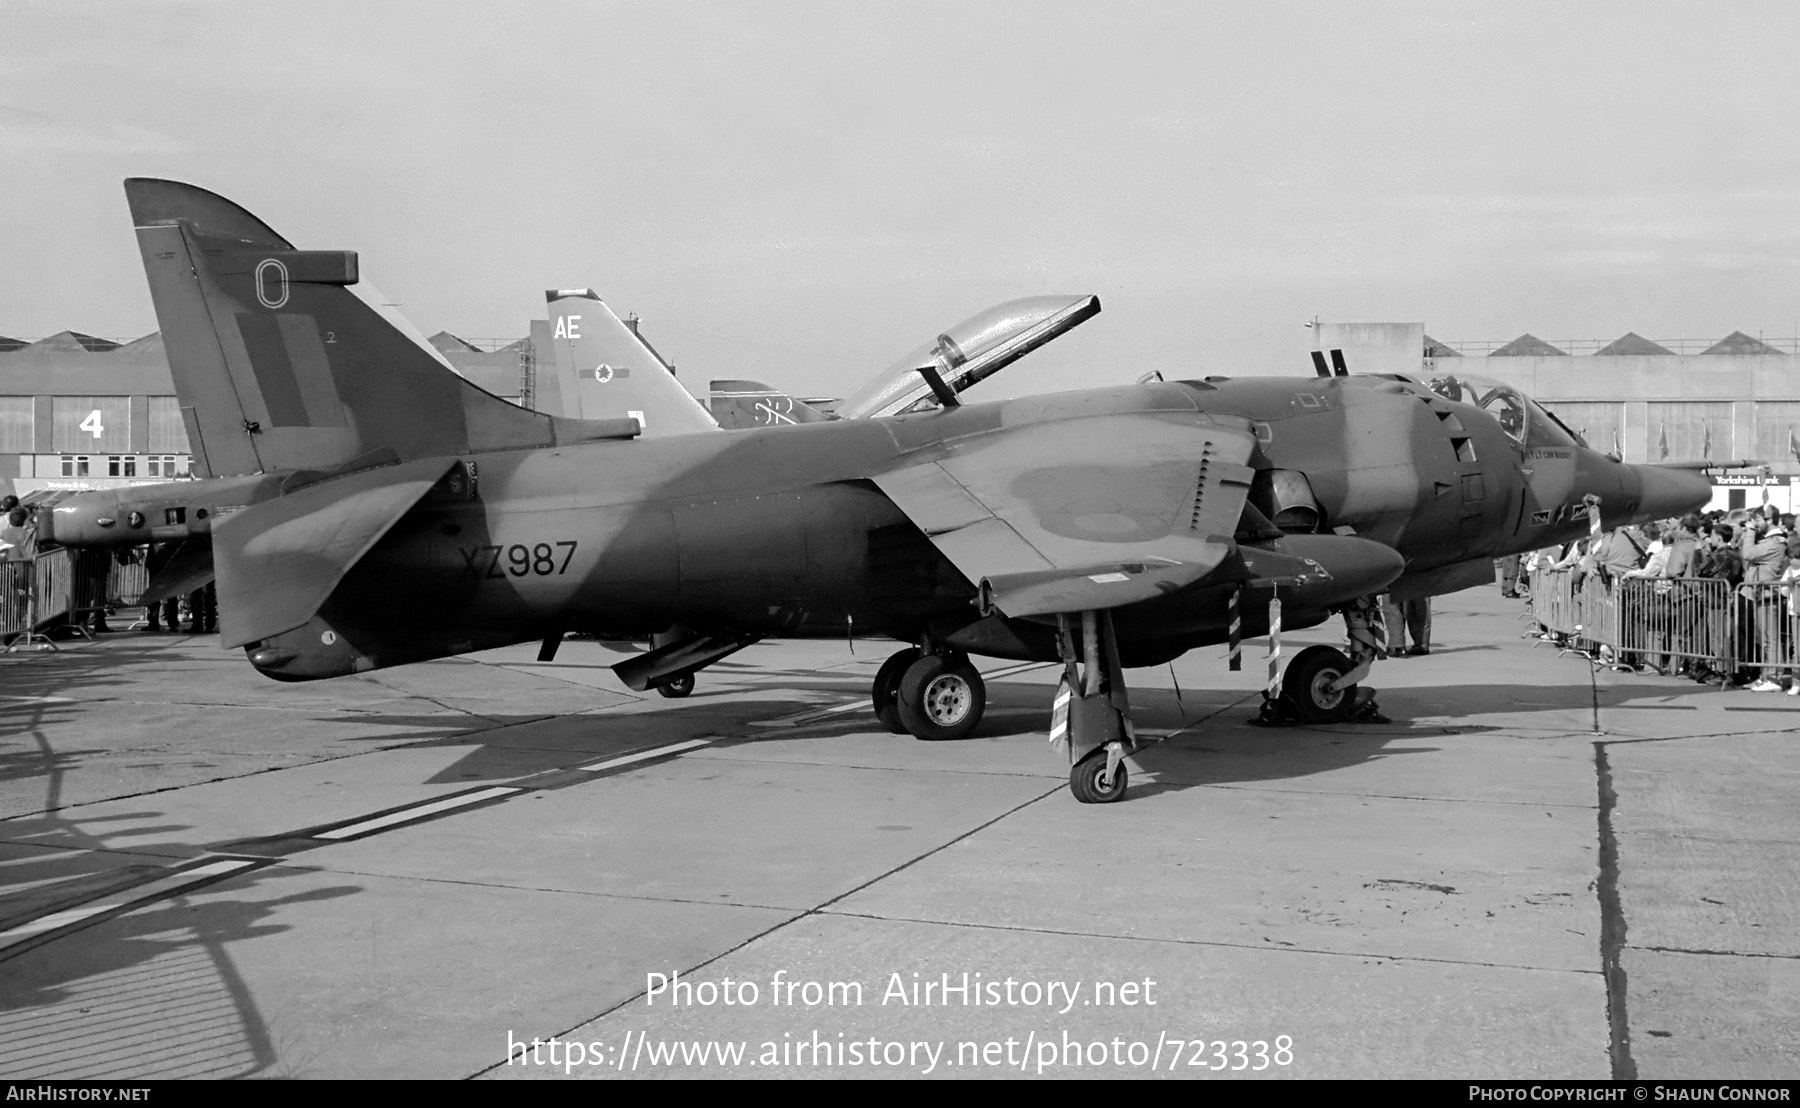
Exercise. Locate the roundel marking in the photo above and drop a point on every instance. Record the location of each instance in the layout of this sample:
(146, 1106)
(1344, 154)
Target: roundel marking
(278, 296)
(603, 373)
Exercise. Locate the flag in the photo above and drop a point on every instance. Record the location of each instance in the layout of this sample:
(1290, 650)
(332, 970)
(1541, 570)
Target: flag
(1793, 445)
(1662, 441)
(1616, 453)
(1706, 448)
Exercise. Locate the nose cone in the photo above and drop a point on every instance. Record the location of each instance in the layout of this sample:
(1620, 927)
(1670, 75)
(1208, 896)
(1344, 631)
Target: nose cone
(1664, 493)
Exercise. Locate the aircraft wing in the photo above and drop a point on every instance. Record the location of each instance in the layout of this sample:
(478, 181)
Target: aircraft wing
(1082, 514)
(277, 562)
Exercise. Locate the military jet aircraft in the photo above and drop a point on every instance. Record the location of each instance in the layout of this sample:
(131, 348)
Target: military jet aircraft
(1101, 529)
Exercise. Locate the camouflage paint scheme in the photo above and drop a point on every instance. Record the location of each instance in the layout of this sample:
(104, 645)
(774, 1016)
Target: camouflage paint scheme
(434, 519)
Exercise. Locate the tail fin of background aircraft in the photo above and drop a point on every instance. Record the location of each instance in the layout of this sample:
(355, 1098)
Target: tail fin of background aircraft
(738, 404)
(282, 363)
(610, 373)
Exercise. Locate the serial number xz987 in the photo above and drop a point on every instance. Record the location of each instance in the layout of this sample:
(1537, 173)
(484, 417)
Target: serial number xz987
(543, 559)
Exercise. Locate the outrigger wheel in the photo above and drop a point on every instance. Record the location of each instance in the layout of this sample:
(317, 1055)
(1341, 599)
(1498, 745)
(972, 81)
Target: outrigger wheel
(1306, 686)
(677, 688)
(940, 697)
(886, 691)
(1089, 781)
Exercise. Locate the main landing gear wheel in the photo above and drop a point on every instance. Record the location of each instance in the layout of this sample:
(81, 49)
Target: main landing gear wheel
(886, 691)
(1306, 686)
(941, 698)
(677, 688)
(1085, 780)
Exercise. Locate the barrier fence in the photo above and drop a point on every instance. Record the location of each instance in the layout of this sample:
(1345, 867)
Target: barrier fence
(1672, 623)
(66, 586)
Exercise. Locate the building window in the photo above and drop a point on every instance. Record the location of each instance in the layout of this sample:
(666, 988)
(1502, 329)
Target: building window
(121, 466)
(74, 465)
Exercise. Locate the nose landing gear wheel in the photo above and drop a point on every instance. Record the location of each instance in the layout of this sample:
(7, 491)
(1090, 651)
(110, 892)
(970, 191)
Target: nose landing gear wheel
(1085, 780)
(941, 698)
(677, 688)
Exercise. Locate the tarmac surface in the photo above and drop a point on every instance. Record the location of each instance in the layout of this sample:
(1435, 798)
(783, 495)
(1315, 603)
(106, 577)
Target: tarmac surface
(419, 871)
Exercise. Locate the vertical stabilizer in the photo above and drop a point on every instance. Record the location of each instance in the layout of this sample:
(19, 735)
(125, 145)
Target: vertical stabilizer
(281, 365)
(607, 372)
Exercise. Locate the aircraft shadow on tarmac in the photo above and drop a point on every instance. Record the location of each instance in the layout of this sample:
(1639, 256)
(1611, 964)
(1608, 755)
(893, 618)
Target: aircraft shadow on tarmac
(1215, 743)
(154, 994)
(165, 966)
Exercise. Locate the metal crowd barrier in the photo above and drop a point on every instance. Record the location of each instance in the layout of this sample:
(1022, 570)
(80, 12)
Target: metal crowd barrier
(63, 584)
(38, 592)
(1553, 601)
(1671, 622)
(16, 591)
(126, 584)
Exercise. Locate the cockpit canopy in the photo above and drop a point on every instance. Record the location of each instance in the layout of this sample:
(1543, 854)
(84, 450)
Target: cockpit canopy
(1524, 420)
(971, 351)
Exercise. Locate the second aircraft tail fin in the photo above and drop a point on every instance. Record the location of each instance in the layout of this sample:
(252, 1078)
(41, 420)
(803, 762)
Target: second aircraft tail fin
(608, 372)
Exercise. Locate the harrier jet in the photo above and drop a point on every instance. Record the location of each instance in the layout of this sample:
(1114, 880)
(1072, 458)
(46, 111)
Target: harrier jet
(1103, 529)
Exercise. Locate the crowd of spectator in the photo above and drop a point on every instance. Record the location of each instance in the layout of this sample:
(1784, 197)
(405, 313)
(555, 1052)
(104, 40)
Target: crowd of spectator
(1708, 596)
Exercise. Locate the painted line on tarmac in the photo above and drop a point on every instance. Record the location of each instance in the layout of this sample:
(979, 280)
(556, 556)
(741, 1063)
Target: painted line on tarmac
(416, 812)
(42, 699)
(53, 924)
(645, 755)
(1015, 670)
(813, 714)
(41, 929)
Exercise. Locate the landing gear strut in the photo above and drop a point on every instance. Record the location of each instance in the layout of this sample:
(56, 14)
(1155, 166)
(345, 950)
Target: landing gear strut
(1092, 712)
(937, 697)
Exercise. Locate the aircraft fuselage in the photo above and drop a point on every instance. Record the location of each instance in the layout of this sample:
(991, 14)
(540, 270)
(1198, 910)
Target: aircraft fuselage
(767, 530)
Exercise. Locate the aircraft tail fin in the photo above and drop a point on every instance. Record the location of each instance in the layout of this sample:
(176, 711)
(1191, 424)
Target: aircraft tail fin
(284, 360)
(608, 372)
(753, 404)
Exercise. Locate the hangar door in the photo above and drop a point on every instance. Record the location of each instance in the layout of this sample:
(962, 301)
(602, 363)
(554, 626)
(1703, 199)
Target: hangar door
(90, 425)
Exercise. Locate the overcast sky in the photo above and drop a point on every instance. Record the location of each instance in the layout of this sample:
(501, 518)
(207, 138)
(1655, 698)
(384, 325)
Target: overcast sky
(802, 192)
